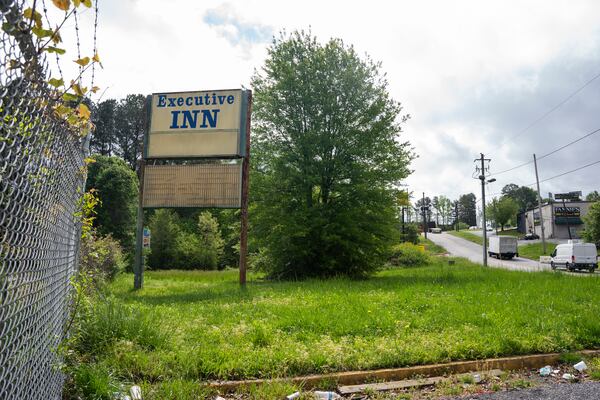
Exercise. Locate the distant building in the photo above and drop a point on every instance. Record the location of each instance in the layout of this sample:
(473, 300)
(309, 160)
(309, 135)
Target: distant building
(558, 219)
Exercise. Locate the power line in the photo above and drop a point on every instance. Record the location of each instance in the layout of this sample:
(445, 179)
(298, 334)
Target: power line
(568, 172)
(550, 153)
(556, 107)
(568, 144)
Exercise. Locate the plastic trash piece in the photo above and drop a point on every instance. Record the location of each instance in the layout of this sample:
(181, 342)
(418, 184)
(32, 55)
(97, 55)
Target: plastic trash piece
(545, 371)
(293, 396)
(219, 398)
(327, 395)
(477, 378)
(568, 377)
(580, 366)
(136, 392)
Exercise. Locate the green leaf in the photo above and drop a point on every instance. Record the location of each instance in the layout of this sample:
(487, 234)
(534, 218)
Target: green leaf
(52, 49)
(33, 15)
(70, 97)
(83, 61)
(56, 82)
(41, 32)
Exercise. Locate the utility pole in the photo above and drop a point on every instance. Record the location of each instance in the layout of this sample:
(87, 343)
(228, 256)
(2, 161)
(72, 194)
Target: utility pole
(537, 181)
(423, 210)
(482, 171)
(456, 216)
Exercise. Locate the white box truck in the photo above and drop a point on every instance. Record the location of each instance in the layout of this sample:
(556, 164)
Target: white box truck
(503, 247)
(574, 255)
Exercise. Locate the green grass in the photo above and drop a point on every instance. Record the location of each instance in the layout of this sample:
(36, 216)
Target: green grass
(431, 247)
(205, 327)
(533, 251)
(510, 232)
(471, 237)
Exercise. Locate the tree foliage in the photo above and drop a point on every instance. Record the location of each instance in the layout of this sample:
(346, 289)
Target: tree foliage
(326, 160)
(593, 196)
(503, 211)
(164, 230)
(525, 197)
(120, 128)
(117, 188)
(591, 232)
(467, 209)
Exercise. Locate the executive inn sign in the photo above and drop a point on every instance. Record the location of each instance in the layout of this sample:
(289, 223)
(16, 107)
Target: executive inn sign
(196, 154)
(198, 124)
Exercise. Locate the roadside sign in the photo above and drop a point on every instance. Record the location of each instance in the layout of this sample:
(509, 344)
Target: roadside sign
(146, 238)
(198, 124)
(568, 196)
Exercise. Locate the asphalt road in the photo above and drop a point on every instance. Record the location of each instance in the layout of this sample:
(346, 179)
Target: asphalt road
(566, 391)
(463, 248)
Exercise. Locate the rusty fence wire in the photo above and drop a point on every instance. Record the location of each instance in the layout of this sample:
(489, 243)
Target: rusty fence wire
(41, 176)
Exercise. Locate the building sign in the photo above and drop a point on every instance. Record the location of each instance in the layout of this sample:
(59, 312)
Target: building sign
(192, 185)
(567, 212)
(198, 124)
(567, 216)
(568, 196)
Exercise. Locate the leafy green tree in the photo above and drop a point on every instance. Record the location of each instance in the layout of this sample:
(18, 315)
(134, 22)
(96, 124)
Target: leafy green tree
(117, 188)
(326, 160)
(591, 232)
(129, 128)
(210, 238)
(443, 207)
(165, 230)
(503, 211)
(467, 209)
(593, 196)
(525, 197)
(103, 137)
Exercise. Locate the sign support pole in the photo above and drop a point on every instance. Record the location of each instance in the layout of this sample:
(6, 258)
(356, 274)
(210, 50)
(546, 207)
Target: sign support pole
(138, 267)
(244, 202)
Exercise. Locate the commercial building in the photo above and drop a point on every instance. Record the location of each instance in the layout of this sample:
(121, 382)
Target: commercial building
(558, 219)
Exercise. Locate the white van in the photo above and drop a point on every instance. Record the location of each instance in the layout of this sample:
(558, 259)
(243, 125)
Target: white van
(575, 256)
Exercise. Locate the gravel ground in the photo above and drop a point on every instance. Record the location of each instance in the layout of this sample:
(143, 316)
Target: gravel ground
(574, 391)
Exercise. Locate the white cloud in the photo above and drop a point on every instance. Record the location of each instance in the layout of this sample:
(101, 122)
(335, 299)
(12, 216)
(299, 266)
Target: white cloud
(470, 73)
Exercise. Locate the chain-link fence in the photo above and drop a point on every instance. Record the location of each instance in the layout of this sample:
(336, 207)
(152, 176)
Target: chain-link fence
(41, 162)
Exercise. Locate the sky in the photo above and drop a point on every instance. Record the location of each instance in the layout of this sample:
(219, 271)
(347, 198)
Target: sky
(503, 78)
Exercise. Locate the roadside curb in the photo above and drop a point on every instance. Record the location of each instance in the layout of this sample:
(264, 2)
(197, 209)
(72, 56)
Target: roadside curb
(389, 374)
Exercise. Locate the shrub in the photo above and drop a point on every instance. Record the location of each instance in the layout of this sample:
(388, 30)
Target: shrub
(462, 225)
(210, 238)
(408, 255)
(101, 257)
(410, 235)
(190, 254)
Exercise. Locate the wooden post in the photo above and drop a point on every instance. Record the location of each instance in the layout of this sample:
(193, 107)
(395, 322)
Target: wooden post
(244, 205)
(138, 267)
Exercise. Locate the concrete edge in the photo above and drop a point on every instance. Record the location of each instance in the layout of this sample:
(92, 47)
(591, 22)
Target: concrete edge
(389, 374)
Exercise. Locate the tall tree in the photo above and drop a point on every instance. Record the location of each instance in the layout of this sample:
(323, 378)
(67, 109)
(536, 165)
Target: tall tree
(525, 197)
(445, 209)
(503, 211)
(593, 196)
(467, 209)
(327, 159)
(117, 188)
(129, 128)
(591, 231)
(103, 138)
